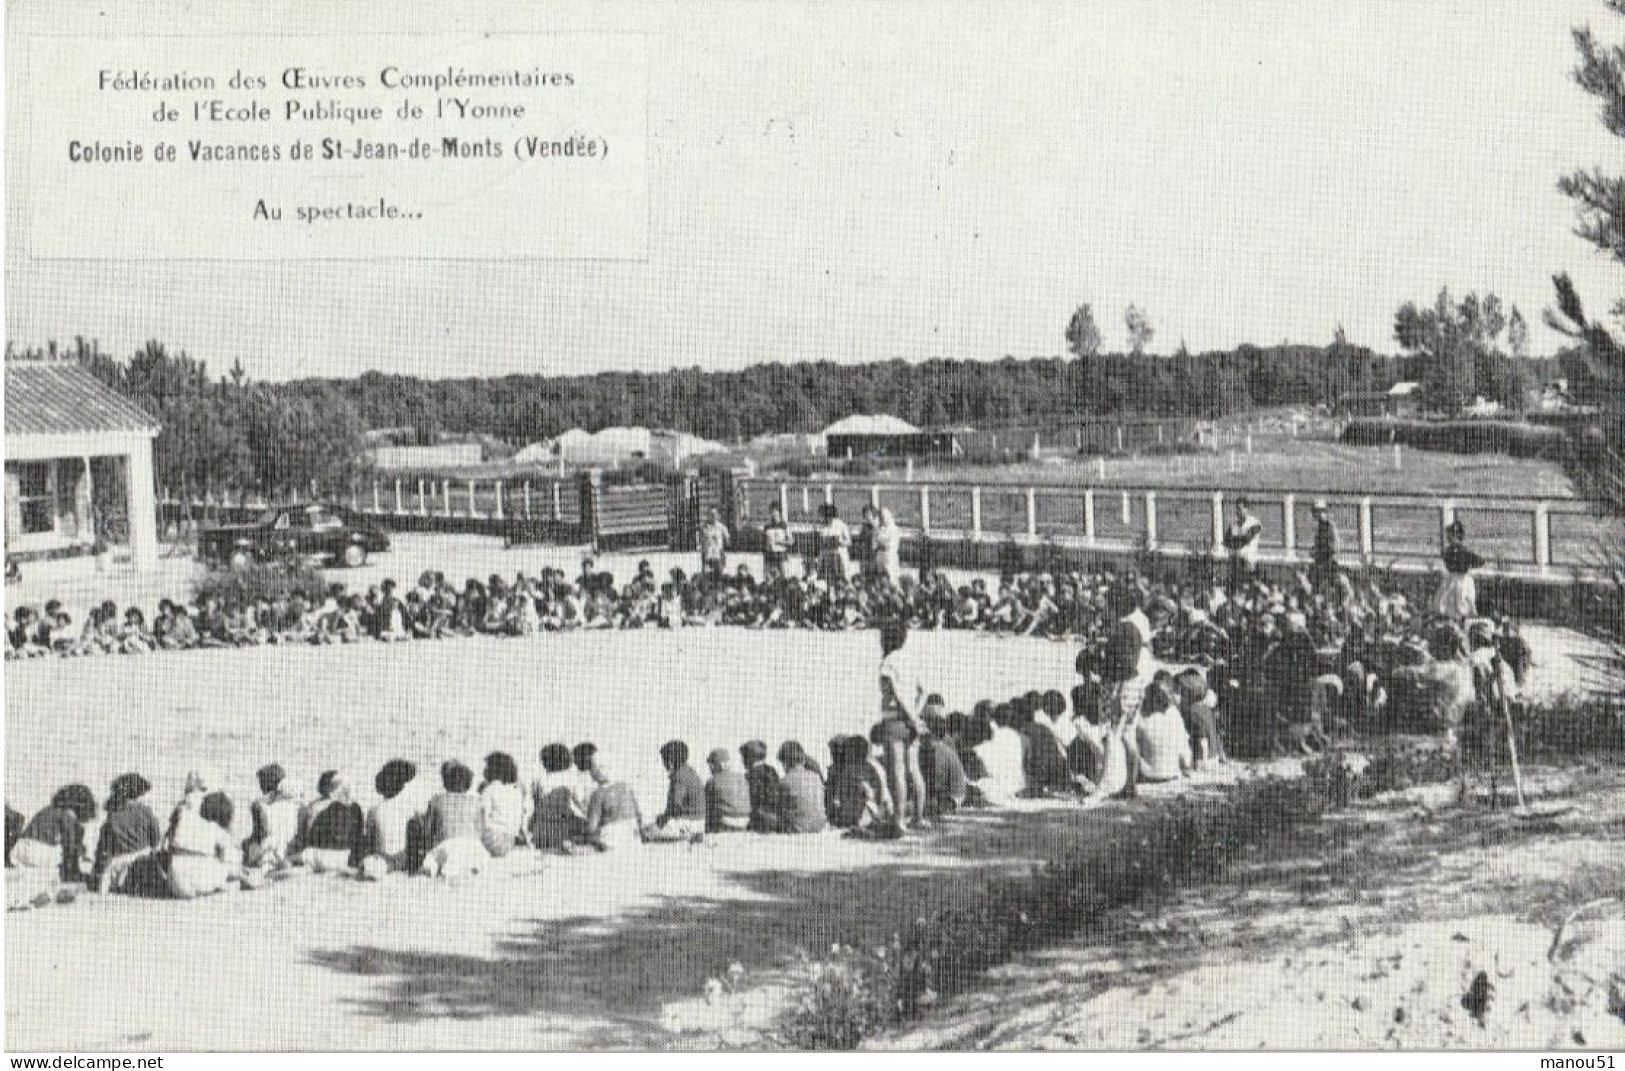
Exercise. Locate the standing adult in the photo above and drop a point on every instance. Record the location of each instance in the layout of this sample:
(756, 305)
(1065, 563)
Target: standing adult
(834, 544)
(1457, 597)
(889, 547)
(777, 543)
(1241, 540)
(902, 698)
(863, 545)
(1324, 570)
(713, 539)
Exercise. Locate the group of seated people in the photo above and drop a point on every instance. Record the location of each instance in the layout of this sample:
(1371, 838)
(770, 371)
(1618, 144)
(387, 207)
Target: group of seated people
(1033, 744)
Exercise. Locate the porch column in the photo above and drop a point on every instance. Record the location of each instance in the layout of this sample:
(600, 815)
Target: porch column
(140, 492)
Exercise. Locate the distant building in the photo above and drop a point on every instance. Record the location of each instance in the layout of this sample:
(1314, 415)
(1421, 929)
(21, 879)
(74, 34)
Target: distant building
(1119, 435)
(1400, 400)
(78, 466)
(881, 435)
(439, 456)
(617, 446)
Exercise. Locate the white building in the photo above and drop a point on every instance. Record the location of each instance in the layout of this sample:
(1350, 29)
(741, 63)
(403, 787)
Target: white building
(78, 466)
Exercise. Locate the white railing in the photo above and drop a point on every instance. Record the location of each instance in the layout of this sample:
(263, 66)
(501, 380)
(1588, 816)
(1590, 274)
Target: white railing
(1515, 535)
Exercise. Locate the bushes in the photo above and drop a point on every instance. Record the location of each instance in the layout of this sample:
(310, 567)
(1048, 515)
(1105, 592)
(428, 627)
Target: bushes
(271, 581)
(1515, 438)
(855, 993)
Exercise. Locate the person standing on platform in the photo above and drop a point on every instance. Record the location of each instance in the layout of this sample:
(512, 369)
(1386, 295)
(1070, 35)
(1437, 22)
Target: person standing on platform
(777, 543)
(1241, 540)
(713, 540)
(1457, 597)
(834, 544)
(1324, 570)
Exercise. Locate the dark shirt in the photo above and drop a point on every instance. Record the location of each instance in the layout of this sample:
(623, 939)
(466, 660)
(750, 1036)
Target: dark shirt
(847, 794)
(944, 773)
(764, 796)
(60, 827)
(1459, 560)
(339, 826)
(131, 828)
(727, 795)
(1043, 760)
(1326, 542)
(15, 821)
(685, 795)
(801, 802)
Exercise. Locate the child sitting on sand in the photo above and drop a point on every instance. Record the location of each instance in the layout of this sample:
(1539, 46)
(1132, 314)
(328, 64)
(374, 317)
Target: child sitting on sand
(614, 818)
(391, 823)
(560, 814)
(278, 822)
(504, 808)
(335, 836)
(130, 833)
(454, 828)
(684, 816)
(202, 855)
(727, 795)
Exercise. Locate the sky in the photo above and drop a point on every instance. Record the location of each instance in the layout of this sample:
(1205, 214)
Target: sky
(867, 181)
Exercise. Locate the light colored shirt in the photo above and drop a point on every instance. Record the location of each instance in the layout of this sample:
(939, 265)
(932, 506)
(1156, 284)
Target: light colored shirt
(1164, 745)
(1001, 756)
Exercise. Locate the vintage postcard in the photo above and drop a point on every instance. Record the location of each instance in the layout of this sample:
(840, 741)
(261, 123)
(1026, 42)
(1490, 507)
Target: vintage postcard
(814, 526)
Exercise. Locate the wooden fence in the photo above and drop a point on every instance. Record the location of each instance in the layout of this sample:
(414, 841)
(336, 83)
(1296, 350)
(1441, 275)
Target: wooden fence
(1523, 536)
(1517, 535)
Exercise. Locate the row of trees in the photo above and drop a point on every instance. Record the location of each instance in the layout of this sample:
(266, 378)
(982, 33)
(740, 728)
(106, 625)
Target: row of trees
(808, 396)
(228, 434)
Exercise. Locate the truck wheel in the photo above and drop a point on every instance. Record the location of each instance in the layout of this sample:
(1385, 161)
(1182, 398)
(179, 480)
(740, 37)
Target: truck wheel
(241, 559)
(355, 555)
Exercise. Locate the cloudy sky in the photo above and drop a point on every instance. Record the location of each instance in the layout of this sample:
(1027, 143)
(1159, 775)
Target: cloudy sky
(854, 181)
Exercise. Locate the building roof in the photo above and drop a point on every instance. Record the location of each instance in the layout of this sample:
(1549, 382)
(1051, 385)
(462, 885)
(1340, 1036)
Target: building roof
(60, 398)
(1404, 389)
(877, 424)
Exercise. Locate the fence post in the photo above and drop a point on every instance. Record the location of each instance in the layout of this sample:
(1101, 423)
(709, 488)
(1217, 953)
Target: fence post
(1218, 521)
(473, 499)
(400, 503)
(874, 496)
(1447, 517)
(829, 492)
(423, 500)
(784, 501)
(976, 512)
(1032, 513)
(925, 510)
(806, 501)
(1368, 549)
(588, 484)
(1289, 524)
(377, 500)
(501, 512)
(445, 496)
(1543, 537)
(1151, 520)
(527, 500)
(558, 500)
(1089, 515)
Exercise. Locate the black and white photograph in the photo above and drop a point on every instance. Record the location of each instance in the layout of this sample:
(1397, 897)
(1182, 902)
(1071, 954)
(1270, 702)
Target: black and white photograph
(867, 525)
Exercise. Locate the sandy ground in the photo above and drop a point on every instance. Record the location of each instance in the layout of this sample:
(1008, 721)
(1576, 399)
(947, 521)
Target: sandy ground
(600, 951)
(328, 963)
(1369, 934)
